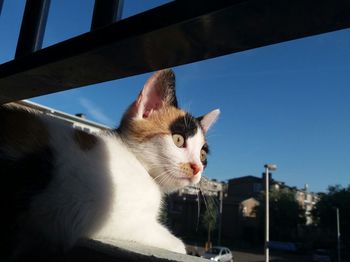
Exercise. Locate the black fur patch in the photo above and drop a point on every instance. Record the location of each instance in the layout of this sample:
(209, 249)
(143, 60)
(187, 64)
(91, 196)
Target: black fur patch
(21, 180)
(186, 126)
(206, 148)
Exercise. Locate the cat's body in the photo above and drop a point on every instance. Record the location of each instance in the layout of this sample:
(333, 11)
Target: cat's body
(60, 184)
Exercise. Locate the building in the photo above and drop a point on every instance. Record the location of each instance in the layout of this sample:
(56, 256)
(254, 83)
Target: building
(239, 217)
(239, 223)
(244, 187)
(308, 201)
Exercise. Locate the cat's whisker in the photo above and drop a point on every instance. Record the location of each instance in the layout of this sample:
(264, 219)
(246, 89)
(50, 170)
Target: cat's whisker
(156, 166)
(167, 174)
(205, 198)
(174, 172)
(198, 207)
(170, 177)
(170, 173)
(165, 179)
(162, 179)
(152, 154)
(208, 198)
(159, 176)
(164, 173)
(185, 120)
(166, 165)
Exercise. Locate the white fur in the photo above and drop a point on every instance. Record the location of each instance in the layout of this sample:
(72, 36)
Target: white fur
(136, 204)
(104, 193)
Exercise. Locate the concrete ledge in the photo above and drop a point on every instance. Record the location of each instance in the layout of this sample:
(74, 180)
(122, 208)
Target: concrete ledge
(90, 250)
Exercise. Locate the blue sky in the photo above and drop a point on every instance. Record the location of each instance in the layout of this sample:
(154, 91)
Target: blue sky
(287, 103)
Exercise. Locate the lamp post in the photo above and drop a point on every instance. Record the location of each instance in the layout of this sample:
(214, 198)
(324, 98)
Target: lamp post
(338, 234)
(268, 167)
(221, 196)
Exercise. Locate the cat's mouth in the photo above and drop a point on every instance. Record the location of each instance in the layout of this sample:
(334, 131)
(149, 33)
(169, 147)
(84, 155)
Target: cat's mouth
(180, 176)
(175, 180)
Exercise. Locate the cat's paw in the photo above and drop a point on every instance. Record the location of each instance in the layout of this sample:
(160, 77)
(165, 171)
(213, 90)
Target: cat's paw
(180, 248)
(176, 245)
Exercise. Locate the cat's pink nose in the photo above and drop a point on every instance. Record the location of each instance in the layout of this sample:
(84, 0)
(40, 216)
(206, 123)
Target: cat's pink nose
(195, 168)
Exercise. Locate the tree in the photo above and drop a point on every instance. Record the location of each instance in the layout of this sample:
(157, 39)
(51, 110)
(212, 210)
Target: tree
(325, 212)
(285, 214)
(209, 217)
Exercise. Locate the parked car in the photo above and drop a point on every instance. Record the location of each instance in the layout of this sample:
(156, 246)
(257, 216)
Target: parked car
(218, 253)
(321, 255)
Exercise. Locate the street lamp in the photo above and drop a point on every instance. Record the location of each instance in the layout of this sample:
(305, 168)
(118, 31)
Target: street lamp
(338, 233)
(268, 167)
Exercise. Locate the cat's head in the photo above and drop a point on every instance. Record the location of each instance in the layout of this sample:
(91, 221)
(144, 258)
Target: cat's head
(168, 141)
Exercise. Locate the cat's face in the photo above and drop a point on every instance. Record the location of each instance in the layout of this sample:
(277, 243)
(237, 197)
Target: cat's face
(168, 141)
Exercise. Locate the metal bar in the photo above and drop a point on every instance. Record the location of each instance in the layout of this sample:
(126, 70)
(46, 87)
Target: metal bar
(174, 34)
(33, 27)
(338, 235)
(60, 114)
(221, 198)
(1, 4)
(106, 12)
(267, 215)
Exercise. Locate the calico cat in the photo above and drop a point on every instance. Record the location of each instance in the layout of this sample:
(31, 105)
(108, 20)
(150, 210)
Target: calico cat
(60, 184)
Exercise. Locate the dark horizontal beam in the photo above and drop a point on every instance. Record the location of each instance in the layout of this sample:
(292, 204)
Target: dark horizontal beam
(174, 34)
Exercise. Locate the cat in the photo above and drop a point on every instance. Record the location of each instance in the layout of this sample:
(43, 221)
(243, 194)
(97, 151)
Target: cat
(60, 184)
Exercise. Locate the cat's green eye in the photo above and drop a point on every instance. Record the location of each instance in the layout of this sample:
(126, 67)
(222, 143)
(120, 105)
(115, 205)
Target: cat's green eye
(179, 140)
(203, 155)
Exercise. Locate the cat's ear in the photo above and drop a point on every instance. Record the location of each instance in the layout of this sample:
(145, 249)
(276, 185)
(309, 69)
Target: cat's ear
(159, 91)
(209, 119)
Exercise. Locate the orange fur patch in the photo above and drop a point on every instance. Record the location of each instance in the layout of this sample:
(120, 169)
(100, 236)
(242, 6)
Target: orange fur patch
(186, 168)
(21, 130)
(157, 123)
